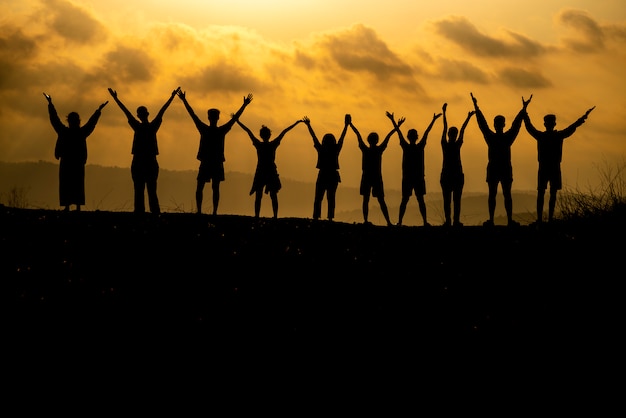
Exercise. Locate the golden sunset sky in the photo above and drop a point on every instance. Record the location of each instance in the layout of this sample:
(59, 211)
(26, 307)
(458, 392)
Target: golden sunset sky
(322, 59)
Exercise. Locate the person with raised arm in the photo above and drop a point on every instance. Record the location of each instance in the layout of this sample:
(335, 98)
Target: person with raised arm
(549, 156)
(371, 165)
(452, 178)
(266, 178)
(413, 175)
(71, 151)
(145, 149)
(499, 168)
(211, 149)
(328, 177)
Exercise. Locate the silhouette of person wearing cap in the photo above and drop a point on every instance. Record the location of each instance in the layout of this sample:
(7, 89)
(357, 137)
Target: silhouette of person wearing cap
(549, 156)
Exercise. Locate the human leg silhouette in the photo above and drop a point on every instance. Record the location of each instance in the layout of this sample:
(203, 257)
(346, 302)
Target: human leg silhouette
(216, 195)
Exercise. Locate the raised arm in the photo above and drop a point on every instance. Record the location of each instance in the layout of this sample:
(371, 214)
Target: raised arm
(480, 118)
(430, 126)
(235, 116)
(346, 122)
(396, 126)
(572, 128)
(93, 120)
(359, 138)
(54, 116)
(307, 122)
(465, 122)
(444, 132)
(159, 115)
(121, 105)
(517, 122)
(183, 97)
(287, 129)
(253, 138)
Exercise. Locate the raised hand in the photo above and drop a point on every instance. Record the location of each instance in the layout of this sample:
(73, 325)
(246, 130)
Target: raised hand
(102, 105)
(306, 120)
(348, 119)
(181, 94)
(401, 121)
(247, 99)
(473, 99)
(49, 99)
(113, 92)
(175, 91)
(437, 115)
(588, 112)
(525, 102)
(444, 107)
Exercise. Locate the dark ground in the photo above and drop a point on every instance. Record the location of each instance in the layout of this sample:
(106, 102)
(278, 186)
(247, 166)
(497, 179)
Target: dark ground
(116, 281)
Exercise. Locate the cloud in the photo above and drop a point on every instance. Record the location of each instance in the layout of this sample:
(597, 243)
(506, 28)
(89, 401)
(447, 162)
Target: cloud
(463, 33)
(223, 77)
(589, 35)
(359, 49)
(74, 24)
(453, 70)
(125, 65)
(521, 78)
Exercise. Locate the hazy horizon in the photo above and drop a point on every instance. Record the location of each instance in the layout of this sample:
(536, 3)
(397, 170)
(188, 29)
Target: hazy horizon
(319, 59)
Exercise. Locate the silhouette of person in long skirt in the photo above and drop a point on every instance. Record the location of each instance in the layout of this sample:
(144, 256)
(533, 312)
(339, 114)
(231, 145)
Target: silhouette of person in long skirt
(71, 151)
(413, 176)
(499, 168)
(372, 176)
(266, 176)
(549, 155)
(144, 166)
(211, 149)
(452, 178)
(328, 177)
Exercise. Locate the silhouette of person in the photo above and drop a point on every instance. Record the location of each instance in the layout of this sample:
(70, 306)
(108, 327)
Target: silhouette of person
(452, 178)
(372, 176)
(266, 174)
(549, 155)
(211, 149)
(328, 177)
(71, 151)
(144, 167)
(499, 168)
(413, 177)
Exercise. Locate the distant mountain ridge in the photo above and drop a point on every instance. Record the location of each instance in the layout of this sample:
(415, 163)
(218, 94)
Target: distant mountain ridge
(35, 185)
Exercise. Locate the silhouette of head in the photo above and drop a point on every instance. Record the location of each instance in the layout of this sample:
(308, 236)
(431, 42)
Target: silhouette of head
(499, 122)
(549, 121)
(73, 120)
(142, 113)
(328, 140)
(372, 138)
(265, 133)
(412, 135)
(213, 115)
(452, 133)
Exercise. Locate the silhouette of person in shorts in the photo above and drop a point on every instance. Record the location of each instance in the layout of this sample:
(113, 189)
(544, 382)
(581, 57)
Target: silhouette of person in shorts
(549, 155)
(266, 176)
(499, 168)
(211, 149)
(371, 165)
(413, 176)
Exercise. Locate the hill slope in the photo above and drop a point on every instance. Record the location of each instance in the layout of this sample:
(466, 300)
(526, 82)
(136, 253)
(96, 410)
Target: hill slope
(120, 274)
